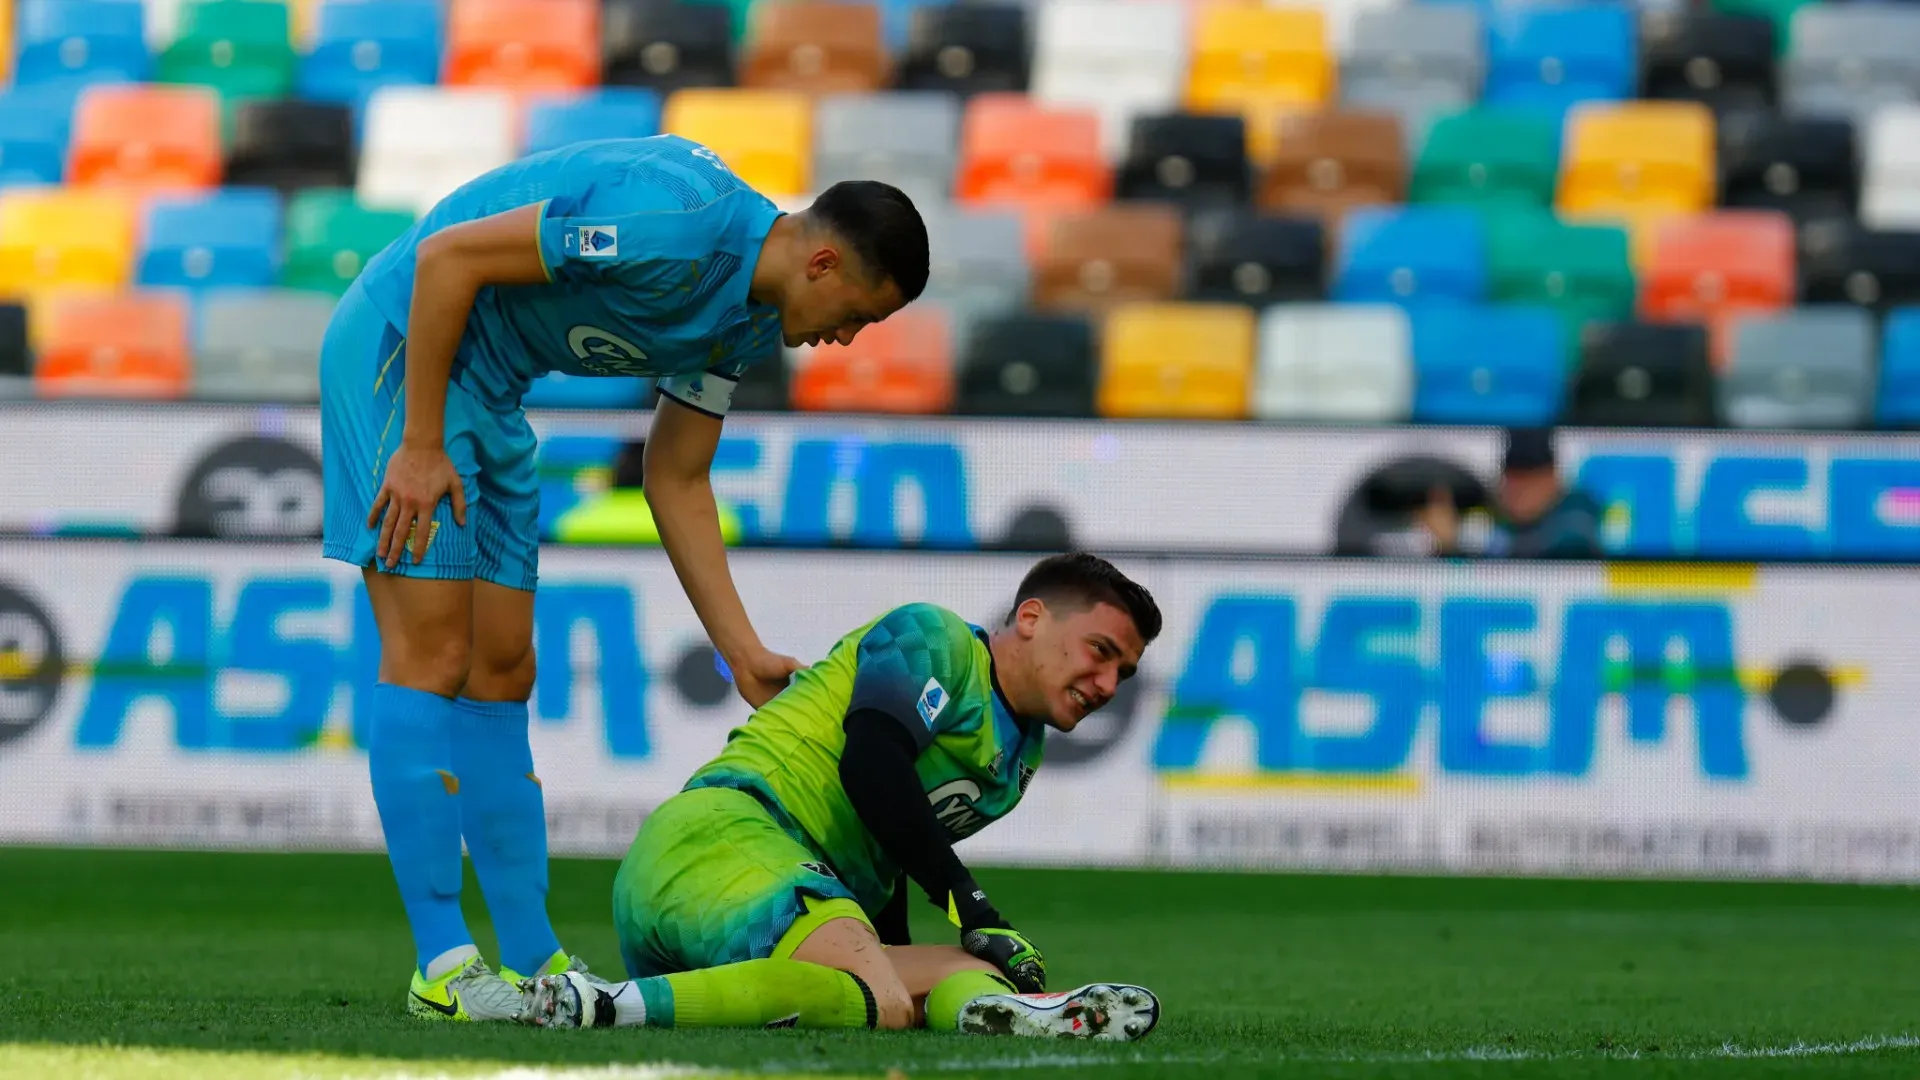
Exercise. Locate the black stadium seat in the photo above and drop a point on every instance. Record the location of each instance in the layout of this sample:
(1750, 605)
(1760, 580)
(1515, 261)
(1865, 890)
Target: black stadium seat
(1803, 166)
(1187, 159)
(1722, 61)
(1843, 262)
(1255, 258)
(666, 44)
(1641, 375)
(967, 49)
(1028, 365)
(290, 145)
(765, 386)
(16, 358)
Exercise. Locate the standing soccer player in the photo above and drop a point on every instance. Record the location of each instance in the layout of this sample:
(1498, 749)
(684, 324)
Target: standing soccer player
(626, 257)
(762, 894)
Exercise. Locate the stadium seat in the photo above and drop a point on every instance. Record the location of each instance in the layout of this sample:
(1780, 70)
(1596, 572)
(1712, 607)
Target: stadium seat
(1190, 160)
(16, 352)
(422, 142)
(615, 113)
(1120, 60)
(241, 48)
(1416, 61)
(763, 387)
(1330, 162)
(360, 46)
(262, 345)
(1411, 254)
(979, 267)
(1255, 258)
(1014, 152)
(1890, 184)
(738, 12)
(219, 239)
(1555, 56)
(1847, 60)
(1638, 158)
(909, 140)
(62, 237)
(123, 345)
(1843, 263)
(764, 136)
(1637, 375)
(62, 40)
(1805, 167)
(1341, 363)
(1177, 361)
(1584, 271)
(1488, 156)
(1093, 259)
(902, 365)
(1028, 364)
(1724, 62)
(1897, 404)
(330, 237)
(815, 47)
(149, 138)
(1502, 365)
(33, 137)
(532, 45)
(1715, 267)
(1261, 62)
(290, 145)
(1807, 367)
(667, 45)
(1777, 12)
(972, 48)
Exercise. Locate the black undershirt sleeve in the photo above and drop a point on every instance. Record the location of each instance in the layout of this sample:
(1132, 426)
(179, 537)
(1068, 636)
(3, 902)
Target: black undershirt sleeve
(876, 769)
(891, 923)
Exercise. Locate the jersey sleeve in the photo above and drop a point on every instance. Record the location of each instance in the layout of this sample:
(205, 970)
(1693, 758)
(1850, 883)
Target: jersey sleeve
(644, 252)
(909, 666)
(711, 391)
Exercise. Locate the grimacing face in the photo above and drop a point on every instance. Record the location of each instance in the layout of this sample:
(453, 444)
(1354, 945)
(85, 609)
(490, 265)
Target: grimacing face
(1078, 658)
(834, 300)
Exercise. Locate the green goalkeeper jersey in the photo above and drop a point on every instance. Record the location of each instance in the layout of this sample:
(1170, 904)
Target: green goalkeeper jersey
(930, 670)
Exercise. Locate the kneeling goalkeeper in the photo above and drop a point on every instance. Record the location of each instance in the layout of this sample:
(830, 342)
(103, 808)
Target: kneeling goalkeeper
(772, 891)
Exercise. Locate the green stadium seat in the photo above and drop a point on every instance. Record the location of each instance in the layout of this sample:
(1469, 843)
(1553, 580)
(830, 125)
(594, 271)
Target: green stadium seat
(741, 13)
(1777, 12)
(1582, 271)
(330, 237)
(1489, 156)
(241, 48)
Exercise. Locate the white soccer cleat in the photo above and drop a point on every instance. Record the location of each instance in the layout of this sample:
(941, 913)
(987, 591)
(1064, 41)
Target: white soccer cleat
(571, 999)
(1108, 1012)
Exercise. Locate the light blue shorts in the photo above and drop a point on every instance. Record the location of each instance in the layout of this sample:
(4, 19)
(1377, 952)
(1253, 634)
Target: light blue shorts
(362, 412)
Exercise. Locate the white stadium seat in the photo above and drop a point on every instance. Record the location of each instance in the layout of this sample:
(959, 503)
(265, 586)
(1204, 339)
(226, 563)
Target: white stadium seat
(424, 141)
(1335, 362)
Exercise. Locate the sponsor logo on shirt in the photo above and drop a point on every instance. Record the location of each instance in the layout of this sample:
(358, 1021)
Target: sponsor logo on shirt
(933, 698)
(599, 241)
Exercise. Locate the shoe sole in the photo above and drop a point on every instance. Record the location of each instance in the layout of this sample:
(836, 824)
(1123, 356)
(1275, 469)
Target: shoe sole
(1106, 1012)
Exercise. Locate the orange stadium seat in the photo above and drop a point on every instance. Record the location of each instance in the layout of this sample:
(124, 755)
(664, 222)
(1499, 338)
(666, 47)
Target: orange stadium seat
(1261, 62)
(815, 46)
(764, 136)
(155, 138)
(1328, 163)
(115, 345)
(903, 365)
(1015, 152)
(54, 238)
(523, 44)
(1093, 259)
(1715, 267)
(1177, 361)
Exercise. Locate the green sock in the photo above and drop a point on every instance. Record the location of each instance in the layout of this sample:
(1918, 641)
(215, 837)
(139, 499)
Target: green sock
(945, 1001)
(759, 993)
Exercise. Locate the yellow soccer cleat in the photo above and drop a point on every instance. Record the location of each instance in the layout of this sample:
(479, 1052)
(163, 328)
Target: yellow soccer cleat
(471, 992)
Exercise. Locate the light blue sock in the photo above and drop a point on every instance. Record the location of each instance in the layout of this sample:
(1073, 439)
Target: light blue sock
(504, 818)
(410, 756)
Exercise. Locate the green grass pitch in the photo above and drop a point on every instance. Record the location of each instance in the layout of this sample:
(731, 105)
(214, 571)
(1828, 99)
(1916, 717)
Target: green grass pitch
(159, 965)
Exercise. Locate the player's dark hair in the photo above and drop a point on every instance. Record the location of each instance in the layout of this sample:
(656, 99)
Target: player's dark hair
(1080, 580)
(881, 225)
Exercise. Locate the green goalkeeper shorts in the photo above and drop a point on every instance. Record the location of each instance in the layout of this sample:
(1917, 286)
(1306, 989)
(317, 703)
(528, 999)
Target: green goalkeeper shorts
(713, 879)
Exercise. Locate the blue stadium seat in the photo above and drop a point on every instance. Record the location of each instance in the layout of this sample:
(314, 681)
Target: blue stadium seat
(1553, 57)
(221, 239)
(1899, 399)
(62, 39)
(34, 126)
(1415, 254)
(362, 45)
(562, 391)
(614, 113)
(1504, 364)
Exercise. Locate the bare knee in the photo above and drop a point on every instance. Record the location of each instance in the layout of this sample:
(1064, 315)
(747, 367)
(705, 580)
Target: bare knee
(893, 1006)
(437, 663)
(501, 674)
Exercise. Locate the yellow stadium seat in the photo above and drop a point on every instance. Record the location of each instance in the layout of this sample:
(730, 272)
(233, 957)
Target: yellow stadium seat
(764, 136)
(52, 238)
(1260, 62)
(1638, 158)
(1177, 361)
(7, 43)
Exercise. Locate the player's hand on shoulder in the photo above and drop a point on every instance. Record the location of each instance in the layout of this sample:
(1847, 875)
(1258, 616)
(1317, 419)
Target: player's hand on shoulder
(418, 476)
(762, 675)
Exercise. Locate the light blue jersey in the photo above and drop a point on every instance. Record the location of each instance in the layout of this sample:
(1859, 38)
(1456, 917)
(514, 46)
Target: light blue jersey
(650, 247)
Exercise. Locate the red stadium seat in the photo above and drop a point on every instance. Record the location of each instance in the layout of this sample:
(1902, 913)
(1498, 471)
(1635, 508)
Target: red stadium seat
(903, 365)
(1015, 152)
(1715, 267)
(131, 344)
(150, 138)
(523, 44)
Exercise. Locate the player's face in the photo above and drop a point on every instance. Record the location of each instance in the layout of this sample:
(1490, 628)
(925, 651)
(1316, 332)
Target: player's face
(1081, 657)
(835, 301)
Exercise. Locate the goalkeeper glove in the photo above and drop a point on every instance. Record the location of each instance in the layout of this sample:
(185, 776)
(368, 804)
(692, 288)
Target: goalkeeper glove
(984, 933)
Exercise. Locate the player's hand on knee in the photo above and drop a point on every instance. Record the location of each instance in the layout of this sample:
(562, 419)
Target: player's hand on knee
(418, 477)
